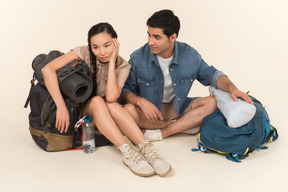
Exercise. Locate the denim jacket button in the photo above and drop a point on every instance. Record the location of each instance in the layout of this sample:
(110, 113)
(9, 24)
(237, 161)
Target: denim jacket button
(171, 69)
(147, 84)
(178, 99)
(174, 83)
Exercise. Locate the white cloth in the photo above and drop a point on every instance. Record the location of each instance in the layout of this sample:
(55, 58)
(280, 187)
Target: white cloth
(237, 113)
(168, 94)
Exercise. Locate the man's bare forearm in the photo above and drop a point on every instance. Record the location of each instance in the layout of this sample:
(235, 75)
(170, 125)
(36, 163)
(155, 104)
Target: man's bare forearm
(132, 98)
(225, 84)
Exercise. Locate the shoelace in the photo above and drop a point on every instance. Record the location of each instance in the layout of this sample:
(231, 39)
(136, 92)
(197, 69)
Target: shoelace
(133, 153)
(150, 153)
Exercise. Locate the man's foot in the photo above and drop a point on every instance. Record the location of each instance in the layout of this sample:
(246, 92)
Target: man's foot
(135, 161)
(192, 131)
(153, 135)
(160, 166)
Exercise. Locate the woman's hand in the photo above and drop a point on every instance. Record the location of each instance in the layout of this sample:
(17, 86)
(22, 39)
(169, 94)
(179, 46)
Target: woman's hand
(115, 45)
(62, 119)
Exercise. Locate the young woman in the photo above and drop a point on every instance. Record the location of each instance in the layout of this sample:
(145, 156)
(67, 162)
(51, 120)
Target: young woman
(109, 72)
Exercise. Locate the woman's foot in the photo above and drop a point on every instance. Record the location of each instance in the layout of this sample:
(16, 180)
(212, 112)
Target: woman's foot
(135, 161)
(160, 166)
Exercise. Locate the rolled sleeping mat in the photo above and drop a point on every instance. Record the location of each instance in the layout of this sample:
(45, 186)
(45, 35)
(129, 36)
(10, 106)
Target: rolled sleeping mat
(77, 86)
(237, 113)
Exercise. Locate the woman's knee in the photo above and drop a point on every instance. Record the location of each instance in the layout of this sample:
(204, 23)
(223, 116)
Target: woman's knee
(93, 104)
(96, 101)
(113, 106)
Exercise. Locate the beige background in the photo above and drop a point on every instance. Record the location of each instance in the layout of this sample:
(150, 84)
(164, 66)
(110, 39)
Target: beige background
(245, 39)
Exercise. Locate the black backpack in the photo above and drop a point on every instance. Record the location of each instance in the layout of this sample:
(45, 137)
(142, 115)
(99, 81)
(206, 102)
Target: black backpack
(42, 122)
(76, 87)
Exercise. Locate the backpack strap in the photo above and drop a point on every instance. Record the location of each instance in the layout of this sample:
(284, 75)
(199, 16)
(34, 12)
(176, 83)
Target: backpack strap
(273, 135)
(201, 147)
(32, 85)
(233, 157)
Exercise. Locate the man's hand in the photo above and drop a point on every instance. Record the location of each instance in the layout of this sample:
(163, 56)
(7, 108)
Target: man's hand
(225, 84)
(235, 94)
(149, 110)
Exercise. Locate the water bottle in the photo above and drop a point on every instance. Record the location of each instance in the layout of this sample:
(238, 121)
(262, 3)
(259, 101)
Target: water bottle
(88, 135)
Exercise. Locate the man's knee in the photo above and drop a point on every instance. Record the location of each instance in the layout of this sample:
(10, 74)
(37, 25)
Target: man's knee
(131, 109)
(211, 103)
(208, 105)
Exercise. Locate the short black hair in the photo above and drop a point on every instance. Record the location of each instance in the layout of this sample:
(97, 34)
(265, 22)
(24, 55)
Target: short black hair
(166, 20)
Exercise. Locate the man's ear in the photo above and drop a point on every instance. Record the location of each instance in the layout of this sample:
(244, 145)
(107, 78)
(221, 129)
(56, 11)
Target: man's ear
(173, 37)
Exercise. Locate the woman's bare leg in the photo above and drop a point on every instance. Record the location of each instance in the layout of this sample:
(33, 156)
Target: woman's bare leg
(126, 123)
(101, 117)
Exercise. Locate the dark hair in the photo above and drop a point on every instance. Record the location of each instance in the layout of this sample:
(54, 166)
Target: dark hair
(166, 20)
(94, 30)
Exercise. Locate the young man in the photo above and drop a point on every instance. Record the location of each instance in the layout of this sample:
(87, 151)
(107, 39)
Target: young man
(162, 73)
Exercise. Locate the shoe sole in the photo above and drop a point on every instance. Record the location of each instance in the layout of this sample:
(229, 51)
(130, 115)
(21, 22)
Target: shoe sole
(140, 174)
(164, 174)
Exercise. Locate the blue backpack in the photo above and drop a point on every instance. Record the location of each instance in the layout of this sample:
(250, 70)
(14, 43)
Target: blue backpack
(236, 143)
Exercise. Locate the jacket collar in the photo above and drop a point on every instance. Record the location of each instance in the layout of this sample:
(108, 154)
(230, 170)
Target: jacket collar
(154, 60)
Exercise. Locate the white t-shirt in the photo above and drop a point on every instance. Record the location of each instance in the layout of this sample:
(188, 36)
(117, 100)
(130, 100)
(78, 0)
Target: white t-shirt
(168, 88)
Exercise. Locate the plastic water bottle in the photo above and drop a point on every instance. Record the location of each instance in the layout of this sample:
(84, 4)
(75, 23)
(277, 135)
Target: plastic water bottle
(88, 134)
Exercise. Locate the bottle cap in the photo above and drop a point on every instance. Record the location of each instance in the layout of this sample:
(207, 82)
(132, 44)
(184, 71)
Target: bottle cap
(88, 119)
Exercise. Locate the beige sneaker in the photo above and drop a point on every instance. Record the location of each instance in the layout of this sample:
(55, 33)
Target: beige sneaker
(135, 161)
(160, 166)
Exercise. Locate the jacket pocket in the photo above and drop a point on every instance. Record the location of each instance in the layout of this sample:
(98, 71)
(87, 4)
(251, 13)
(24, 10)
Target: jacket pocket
(146, 87)
(145, 82)
(187, 80)
(186, 84)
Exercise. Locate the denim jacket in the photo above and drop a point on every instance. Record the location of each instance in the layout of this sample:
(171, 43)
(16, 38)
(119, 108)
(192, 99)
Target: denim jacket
(146, 78)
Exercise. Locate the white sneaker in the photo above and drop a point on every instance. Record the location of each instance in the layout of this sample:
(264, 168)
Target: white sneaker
(153, 135)
(192, 131)
(160, 166)
(135, 161)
